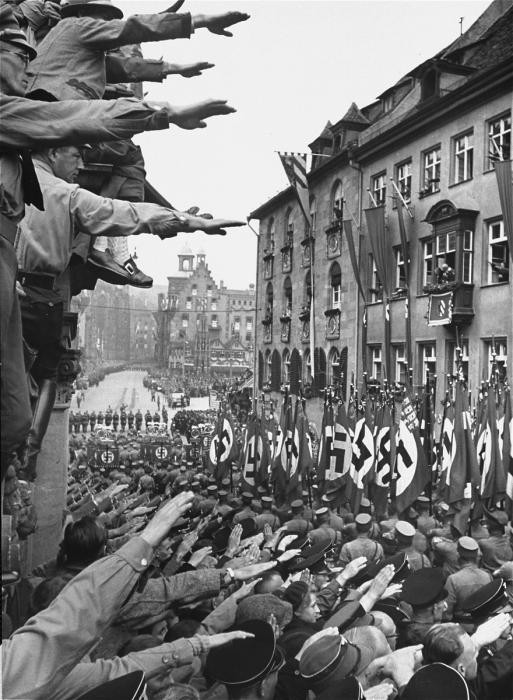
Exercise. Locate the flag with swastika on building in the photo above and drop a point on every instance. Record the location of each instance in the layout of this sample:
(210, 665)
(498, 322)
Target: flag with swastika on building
(493, 476)
(412, 472)
(384, 459)
(507, 449)
(302, 464)
(255, 462)
(280, 466)
(362, 460)
(223, 448)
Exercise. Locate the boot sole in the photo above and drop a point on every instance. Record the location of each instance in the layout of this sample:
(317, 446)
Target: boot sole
(107, 275)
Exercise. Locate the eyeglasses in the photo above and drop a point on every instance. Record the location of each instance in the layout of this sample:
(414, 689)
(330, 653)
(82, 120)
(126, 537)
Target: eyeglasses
(24, 57)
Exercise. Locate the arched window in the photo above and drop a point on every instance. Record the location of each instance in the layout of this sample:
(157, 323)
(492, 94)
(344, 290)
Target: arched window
(270, 235)
(275, 371)
(335, 283)
(313, 214)
(333, 366)
(295, 372)
(267, 366)
(269, 300)
(337, 201)
(289, 228)
(307, 368)
(287, 297)
(320, 369)
(285, 367)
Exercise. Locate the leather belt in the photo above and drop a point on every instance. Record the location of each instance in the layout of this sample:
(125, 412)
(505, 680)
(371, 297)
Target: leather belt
(43, 280)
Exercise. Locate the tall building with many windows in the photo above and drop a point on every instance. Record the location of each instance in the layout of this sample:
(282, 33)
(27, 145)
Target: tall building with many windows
(432, 138)
(201, 325)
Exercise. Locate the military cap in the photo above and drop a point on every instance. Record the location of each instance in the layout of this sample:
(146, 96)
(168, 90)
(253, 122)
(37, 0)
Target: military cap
(424, 587)
(183, 468)
(195, 483)
(321, 511)
(312, 558)
(261, 490)
(497, 516)
(212, 488)
(436, 681)
(298, 503)
(267, 500)
(244, 662)
(399, 562)
(365, 504)
(330, 658)
(225, 482)
(11, 33)
(404, 529)
(363, 519)
(486, 600)
(468, 544)
(328, 497)
(304, 494)
(222, 492)
(247, 495)
(131, 686)
(392, 609)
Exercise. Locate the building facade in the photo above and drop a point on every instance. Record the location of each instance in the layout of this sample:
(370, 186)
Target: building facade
(201, 325)
(436, 133)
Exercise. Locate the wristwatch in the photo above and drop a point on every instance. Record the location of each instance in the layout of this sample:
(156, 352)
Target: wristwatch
(231, 575)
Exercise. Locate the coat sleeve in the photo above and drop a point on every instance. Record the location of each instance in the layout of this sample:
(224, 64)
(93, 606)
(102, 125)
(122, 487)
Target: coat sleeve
(86, 676)
(102, 216)
(34, 124)
(160, 594)
(134, 30)
(133, 69)
(39, 655)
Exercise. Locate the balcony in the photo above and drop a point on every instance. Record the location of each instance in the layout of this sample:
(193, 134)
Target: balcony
(285, 329)
(450, 303)
(286, 258)
(304, 314)
(305, 332)
(268, 333)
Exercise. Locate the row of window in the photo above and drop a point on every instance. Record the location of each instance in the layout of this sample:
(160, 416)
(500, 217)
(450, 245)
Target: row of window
(495, 351)
(497, 147)
(213, 322)
(330, 372)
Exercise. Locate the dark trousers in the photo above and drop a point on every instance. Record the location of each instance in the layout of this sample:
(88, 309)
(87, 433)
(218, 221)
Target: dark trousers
(42, 330)
(16, 416)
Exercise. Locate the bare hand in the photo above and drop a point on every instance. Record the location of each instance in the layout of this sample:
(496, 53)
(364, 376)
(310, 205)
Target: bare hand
(186, 544)
(234, 540)
(268, 533)
(350, 571)
(491, 630)
(274, 624)
(199, 555)
(289, 554)
(217, 640)
(392, 590)
(165, 517)
(52, 10)
(193, 116)
(383, 691)
(246, 572)
(217, 23)
(246, 589)
(191, 70)
(400, 665)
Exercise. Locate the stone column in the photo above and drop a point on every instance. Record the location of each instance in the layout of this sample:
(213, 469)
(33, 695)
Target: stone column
(52, 465)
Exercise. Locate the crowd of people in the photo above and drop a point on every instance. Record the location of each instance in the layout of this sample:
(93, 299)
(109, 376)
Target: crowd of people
(212, 591)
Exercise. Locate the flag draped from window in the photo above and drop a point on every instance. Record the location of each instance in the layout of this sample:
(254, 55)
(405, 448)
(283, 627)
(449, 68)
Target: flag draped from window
(383, 254)
(335, 450)
(503, 173)
(412, 473)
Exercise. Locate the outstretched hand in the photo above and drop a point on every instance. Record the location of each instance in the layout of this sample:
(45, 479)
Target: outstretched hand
(191, 70)
(193, 116)
(217, 24)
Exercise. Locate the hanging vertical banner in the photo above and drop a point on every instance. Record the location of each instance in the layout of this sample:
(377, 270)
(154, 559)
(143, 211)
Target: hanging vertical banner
(440, 309)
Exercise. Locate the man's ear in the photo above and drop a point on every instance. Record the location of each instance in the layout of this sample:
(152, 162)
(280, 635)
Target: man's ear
(461, 669)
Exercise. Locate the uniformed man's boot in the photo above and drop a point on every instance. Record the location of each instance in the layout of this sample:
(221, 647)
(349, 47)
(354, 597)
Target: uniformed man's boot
(40, 420)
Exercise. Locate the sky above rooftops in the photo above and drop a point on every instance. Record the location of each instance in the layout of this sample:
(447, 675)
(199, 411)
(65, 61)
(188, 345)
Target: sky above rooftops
(291, 67)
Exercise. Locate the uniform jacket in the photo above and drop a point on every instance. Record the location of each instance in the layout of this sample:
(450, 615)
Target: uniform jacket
(71, 58)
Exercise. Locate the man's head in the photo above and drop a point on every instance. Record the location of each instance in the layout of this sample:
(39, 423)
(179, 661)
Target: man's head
(65, 161)
(84, 541)
(450, 644)
(270, 581)
(363, 522)
(15, 54)
(468, 549)
(99, 9)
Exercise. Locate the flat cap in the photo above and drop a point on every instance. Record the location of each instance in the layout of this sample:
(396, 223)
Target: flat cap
(321, 511)
(424, 587)
(363, 519)
(267, 500)
(298, 503)
(212, 488)
(222, 492)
